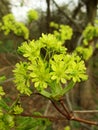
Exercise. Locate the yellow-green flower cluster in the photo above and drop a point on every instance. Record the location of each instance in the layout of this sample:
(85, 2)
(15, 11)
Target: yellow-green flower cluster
(84, 52)
(48, 66)
(89, 33)
(32, 15)
(62, 32)
(22, 79)
(9, 24)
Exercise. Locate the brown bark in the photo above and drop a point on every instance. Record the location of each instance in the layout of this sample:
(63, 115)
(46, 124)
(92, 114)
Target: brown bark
(87, 88)
(87, 91)
(48, 16)
(91, 6)
(4, 8)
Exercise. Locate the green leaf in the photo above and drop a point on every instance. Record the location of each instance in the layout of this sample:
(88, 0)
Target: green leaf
(17, 109)
(45, 93)
(2, 78)
(2, 93)
(9, 120)
(4, 105)
(68, 87)
(29, 123)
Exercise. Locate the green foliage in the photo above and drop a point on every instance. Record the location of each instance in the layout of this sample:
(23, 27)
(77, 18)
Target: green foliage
(29, 123)
(6, 122)
(90, 33)
(84, 52)
(63, 32)
(49, 66)
(17, 109)
(7, 46)
(2, 93)
(9, 24)
(1, 42)
(22, 78)
(54, 25)
(3, 105)
(49, 69)
(97, 45)
(89, 36)
(6, 119)
(10, 120)
(32, 15)
(2, 78)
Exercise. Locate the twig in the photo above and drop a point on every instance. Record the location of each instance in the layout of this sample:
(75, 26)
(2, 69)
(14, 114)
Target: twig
(67, 115)
(65, 109)
(59, 110)
(66, 15)
(47, 108)
(68, 102)
(84, 121)
(51, 118)
(85, 111)
(8, 80)
(70, 116)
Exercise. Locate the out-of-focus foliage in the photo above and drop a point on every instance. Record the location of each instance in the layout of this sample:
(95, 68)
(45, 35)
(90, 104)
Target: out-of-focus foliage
(9, 24)
(67, 128)
(60, 32)
(90, 33)
(84, 52)
(2, 93)
(32, 15)
(32, 123)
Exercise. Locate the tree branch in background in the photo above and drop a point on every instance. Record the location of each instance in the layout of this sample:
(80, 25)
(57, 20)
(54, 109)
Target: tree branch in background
(91, 6)
(77, 9)
(5, 8)
(48, 16)
(66, 15)
(85, 111)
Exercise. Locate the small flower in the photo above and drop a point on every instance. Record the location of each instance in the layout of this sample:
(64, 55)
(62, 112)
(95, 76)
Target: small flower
(39, 74)
(22, 78)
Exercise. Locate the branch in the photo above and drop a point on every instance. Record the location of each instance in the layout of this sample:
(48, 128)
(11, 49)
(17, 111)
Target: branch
(67, 115)
(77, 9)
(51, 118)
(70, 116)
(47, 108)
(65, 108)
(59, 110)
(8, 80)
(84, 121)
(66, 15)
(86, 111)
(68, 102)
